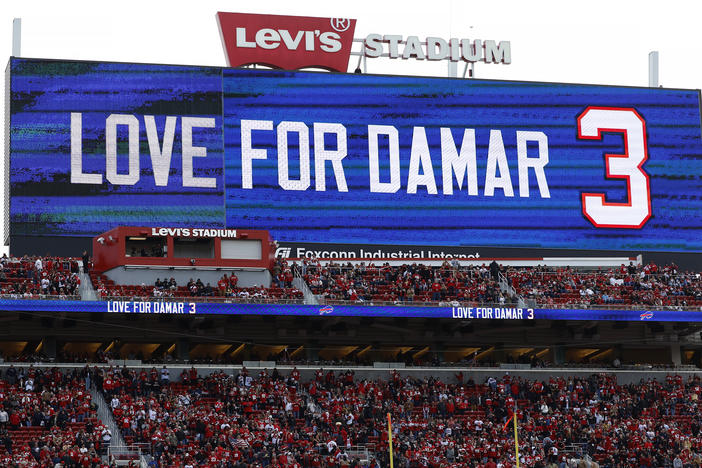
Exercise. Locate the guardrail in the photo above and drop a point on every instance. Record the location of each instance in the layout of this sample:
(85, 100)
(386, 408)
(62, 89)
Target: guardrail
(125, 455)
(46, 297)
(200, 299)
(642, 307)
(397, 303)
(104, 413)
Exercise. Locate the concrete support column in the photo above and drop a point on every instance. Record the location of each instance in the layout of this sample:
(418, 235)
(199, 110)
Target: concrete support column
(437, 350)
(558, 355)
(312, 351)
(182, 351)
(675, 356)
(49, 347)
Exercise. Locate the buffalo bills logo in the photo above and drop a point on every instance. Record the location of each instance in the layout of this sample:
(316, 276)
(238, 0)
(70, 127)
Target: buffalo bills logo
(646, 316)
(326, 310)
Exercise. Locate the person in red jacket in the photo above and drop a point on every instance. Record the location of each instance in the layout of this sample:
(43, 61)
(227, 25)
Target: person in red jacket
(436, 290)
(222, 284)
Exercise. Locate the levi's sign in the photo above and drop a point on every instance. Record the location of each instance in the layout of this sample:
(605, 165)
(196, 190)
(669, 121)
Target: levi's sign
(293, 42)
(189, 232)
(287, 42)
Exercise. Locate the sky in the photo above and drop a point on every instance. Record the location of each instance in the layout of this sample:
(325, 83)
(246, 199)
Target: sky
(602, 42)
(598, 42)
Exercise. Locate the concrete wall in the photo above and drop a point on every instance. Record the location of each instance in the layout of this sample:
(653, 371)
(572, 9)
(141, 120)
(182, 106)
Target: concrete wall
(135, 276)
(447, 374)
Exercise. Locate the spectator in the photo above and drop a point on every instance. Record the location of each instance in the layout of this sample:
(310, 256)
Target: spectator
(86, 262)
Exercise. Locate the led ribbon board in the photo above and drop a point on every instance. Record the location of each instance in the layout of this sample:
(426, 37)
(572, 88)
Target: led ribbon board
(457, 313)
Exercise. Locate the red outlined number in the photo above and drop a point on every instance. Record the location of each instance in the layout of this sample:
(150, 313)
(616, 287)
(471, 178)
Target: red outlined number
(634, 213)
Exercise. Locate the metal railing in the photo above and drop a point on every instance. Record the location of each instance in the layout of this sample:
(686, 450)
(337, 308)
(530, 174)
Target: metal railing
(105, 415)
(506, 286)
(642, 307)
(533, 305)
(46, 297)
(216, 299)
(527, 302)
(596, 271)
(300, 283)
(398, 303)
(360, 452)
(576, 448)
(526, 276)
(87, 292)
(123, 455)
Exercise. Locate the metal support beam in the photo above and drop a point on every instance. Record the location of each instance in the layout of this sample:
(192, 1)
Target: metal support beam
(17, 37)
(182, 350)
(452, 69)
(653, 69)
(675, 354)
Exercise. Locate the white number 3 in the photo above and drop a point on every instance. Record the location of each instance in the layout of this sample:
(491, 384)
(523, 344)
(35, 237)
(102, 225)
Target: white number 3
(634, 213)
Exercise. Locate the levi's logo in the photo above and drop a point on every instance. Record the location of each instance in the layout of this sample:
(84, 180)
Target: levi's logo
(287, 42)
(268, 38)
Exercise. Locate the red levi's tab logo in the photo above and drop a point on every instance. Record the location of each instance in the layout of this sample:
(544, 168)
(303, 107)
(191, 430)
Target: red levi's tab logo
(287, 42)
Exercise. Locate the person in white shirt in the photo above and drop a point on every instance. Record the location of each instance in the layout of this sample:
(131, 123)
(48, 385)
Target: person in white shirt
(165, 376)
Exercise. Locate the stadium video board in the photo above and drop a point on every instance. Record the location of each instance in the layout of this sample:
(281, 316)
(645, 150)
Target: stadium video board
(351, 158)
(99, 145)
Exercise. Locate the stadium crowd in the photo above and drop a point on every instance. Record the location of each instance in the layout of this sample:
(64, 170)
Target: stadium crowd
(406, 283)
(47, 419)
(633, 285)
(33, 277)
(227, 286)
(271, 420)
(647, 285)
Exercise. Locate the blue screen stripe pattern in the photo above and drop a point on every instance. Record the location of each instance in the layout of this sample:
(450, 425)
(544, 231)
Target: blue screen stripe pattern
(576, 165)
(484, 314)
(45, 93)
